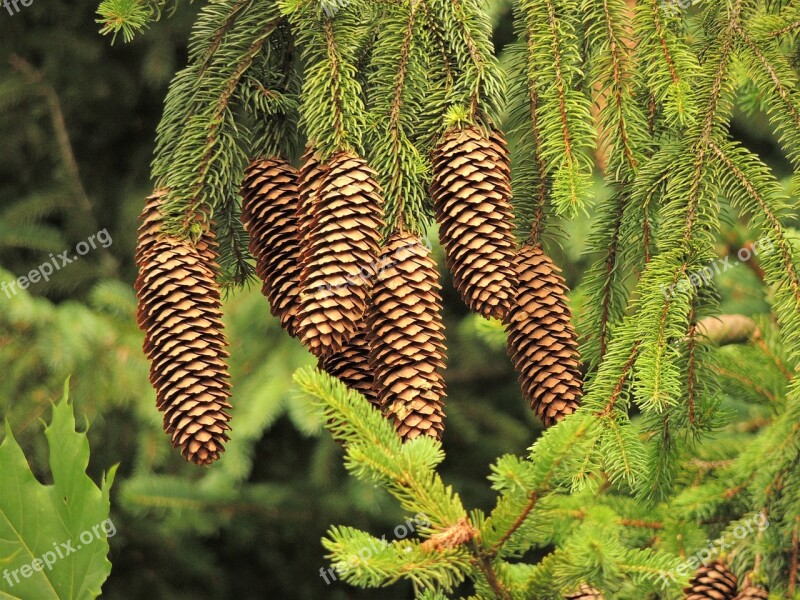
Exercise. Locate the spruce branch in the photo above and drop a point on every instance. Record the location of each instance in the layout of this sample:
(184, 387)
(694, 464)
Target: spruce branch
(396, 98)
(130, 17)
(553, 62)
(762, 198)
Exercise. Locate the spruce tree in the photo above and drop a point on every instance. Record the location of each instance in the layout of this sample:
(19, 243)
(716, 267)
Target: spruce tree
(679, 436)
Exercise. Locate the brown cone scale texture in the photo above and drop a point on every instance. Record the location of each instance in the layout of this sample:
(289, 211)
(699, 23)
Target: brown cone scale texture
(351, 366)
(150, 227)
(471, 190)
(310, 178)
(712, 582)
(541, 340)
(585, 592)
(269, 214)
(407, 347)
(179, 311)
(343, 247)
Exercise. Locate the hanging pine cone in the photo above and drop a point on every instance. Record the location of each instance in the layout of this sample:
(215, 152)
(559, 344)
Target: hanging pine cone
(541, 340)
(585, 592)
(351, 366)
(150, 228)
(269, 214)
(179, 311)
(471, 190)
(407, 338)
(343, 249)
(309, 181)
(753, 592)
(712, 582)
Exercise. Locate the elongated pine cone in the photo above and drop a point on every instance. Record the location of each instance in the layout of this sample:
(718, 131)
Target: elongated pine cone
(712, 582)
(753, 592)
(179, 311)
(407, 347)
(269, 214)
(541, 340)
(471, 190)
(585, 592)
(343, 251)
(150, 227)
(309, 181)
(351, 366)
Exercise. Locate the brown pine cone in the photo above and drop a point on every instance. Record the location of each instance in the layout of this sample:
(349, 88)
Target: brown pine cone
(541, 340)
(269, 214)
(471, 189)
(407, 348)
(343, 250)
(311, 175)
(351, 366)
(150, 228)
(712, 582)
(179, 310)
(585, 592)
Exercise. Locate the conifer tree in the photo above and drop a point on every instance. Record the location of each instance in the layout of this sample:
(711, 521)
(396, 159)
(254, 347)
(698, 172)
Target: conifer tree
(402, 108)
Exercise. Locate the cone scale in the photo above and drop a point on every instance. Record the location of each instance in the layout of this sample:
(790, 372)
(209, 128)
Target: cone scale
(179, 311)
(712, 582)
(585, 592)
(270, 200)
(343, 247)
(471, 190)
(351, 366)
(407, 350)
(541, 340)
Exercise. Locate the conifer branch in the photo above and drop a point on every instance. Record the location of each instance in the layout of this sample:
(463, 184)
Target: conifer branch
(691, 367)
(217, 122)
(785, 29)
(553, 63)
(789, 270)
(216, 39)
(537, 222)
(533, 498)
(607, 292)
(620, 384)
(606, 31)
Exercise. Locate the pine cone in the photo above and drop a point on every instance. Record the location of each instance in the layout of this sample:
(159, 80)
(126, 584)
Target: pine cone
(541, 340)
(407, 338)
(351, 366)
(269, 214)
(471, 190)
(179, 311)
(309, 181)
(712, 582)
(343, 250)
(753, 592)
(585, 592)
(150, 229)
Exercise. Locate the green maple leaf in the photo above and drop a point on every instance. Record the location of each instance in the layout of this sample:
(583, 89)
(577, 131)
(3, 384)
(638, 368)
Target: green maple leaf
(53, 538)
